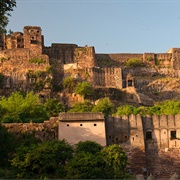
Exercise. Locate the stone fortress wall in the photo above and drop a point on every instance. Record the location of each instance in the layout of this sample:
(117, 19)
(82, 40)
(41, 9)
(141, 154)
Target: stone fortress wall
(100, 69)
(152, 143)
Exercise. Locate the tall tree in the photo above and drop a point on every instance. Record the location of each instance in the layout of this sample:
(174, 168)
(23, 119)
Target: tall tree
(43, 160)
(6, 6)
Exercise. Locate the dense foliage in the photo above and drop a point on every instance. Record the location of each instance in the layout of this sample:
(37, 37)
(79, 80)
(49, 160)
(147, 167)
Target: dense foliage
(86, 106)
(88, 147)
(105, 106)
(5, 8)
(25, 157)
(165, 107)
(46, 159)
(19, 108)
(84, 89)
(6, 140)
(70, 83)
(134, 62)
(53, 107)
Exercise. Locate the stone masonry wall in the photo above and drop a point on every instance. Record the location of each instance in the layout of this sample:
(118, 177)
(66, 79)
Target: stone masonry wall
(105, 77)
(47, 130)
(15, 66)
(148, 141)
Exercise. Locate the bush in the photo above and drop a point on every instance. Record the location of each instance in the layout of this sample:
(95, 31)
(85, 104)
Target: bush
(126, 110)
(82, 107)
(134, 62)
(105, 106)
(70, 83)
(84, 89)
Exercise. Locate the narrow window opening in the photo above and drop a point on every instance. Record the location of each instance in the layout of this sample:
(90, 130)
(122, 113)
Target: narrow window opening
(109, 137)
(136, 135)
(129, 82)
(148, 135)
(173, 135)
(95, 124)
(116, 138)
(125, 137)
(133, 138)
(80, 124)
(33, 41)
(67, 124)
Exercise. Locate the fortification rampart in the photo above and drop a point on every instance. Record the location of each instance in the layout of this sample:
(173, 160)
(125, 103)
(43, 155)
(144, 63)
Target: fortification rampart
(105, 77)
(155, 139)
(44, 131)
(152, 143)
(64, 53)
(85, 57)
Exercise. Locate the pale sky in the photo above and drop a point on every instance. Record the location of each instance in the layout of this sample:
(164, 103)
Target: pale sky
(111, 26)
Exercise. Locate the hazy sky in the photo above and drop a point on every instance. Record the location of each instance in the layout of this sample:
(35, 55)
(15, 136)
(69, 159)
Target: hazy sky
(111, 26)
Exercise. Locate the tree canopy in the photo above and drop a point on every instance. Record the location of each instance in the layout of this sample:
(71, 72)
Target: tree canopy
(43, 160)
(69, 83)
(86, 106)
(84, 89)
(19, 108)
(105, 106)
(5, 8)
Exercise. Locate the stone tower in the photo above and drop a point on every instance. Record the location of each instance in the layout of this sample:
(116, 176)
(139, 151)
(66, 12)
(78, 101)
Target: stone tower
(33, 40)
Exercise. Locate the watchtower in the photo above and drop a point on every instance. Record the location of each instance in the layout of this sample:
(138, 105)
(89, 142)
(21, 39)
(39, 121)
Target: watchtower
(33, 40)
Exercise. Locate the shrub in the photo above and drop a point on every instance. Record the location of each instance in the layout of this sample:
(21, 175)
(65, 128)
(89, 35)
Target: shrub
(149, 58)
(134, 62)
(70, 83)
(84, 89)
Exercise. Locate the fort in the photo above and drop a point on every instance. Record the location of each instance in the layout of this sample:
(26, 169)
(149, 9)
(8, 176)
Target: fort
(27, 64)
(152, 143)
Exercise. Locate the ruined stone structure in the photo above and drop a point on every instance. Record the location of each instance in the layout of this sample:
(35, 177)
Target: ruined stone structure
(25, 61)
(22, 64)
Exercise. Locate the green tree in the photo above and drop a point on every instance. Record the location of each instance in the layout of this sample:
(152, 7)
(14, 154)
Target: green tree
(86, 106)
(44, 160)
(6, 8)
(70, 83)
(134, 62)
(7, 146)
(86, 166)
(17, 108)
(53, 107)
(105, 106)
(117, 161)
(126, 110)
(88, 147)
(84, 89)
